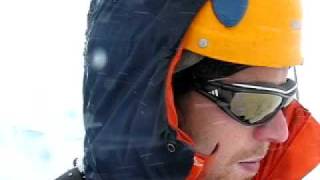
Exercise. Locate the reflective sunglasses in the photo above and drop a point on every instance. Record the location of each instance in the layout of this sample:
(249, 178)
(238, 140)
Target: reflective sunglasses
(250, 104)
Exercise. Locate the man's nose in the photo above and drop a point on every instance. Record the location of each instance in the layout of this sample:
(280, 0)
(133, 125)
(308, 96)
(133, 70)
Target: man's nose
(275, 131)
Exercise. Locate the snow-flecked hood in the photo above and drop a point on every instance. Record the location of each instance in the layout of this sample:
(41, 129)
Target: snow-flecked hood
(129, 47)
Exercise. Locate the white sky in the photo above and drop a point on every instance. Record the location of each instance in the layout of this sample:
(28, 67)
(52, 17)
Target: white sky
(41, 64)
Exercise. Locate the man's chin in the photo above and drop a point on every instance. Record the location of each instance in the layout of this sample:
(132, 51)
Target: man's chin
(235, 173)
(227, 177)
(240, 172)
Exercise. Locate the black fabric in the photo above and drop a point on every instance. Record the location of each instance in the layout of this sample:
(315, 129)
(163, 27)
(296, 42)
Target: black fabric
(206, 69)
(72, 174)
(213, 69)
(129, 47)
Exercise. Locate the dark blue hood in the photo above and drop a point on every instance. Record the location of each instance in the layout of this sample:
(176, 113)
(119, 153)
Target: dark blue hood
(129, 48)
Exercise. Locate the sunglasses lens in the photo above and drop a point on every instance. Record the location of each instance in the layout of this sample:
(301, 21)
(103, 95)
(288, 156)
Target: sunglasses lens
(251, 108)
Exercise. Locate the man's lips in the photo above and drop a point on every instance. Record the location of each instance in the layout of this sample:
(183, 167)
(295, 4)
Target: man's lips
(250, 165)
(255, 159)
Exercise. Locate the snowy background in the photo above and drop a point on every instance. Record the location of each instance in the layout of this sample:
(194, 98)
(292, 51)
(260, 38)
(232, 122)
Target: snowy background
(41, 66)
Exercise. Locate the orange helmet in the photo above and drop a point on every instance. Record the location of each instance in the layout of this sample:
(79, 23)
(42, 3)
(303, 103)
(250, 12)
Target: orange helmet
(266, 33)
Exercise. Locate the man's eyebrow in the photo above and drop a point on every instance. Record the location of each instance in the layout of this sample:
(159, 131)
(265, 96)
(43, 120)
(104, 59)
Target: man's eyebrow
(256, 83)
(272, 84)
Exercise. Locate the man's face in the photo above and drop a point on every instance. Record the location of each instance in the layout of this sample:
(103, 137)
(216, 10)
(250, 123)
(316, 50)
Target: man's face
(239, 148)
